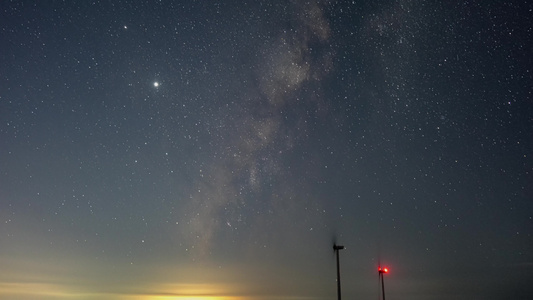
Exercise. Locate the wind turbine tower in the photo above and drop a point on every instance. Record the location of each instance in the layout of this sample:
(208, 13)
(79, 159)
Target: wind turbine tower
(336, 248)
(382, 271)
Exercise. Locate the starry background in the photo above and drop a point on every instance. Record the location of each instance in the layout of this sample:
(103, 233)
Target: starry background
(202, 150)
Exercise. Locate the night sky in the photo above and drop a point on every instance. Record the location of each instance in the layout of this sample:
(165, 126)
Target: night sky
(205, 150)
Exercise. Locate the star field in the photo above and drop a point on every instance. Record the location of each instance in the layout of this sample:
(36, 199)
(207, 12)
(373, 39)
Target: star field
(165, 150)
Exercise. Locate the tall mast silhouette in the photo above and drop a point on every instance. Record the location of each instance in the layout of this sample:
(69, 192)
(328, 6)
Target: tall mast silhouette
(336, 248)
(382, 271)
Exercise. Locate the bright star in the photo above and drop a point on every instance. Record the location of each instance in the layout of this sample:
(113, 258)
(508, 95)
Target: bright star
(156, 84)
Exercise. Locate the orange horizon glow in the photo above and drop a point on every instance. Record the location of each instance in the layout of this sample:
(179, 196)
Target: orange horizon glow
(29, 290)
(26, 290)
(32, 279)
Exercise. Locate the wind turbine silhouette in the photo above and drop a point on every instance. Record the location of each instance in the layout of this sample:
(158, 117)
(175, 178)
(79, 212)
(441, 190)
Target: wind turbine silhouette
(381, 271)
(336, 249)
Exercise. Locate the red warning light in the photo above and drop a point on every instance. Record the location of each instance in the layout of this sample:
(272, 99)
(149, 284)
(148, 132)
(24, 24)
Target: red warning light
(383, 270)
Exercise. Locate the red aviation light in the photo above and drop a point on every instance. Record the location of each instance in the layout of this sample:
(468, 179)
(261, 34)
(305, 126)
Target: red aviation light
(383, 270)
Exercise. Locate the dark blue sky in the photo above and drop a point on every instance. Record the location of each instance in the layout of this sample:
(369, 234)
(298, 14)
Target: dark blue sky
(163, 150)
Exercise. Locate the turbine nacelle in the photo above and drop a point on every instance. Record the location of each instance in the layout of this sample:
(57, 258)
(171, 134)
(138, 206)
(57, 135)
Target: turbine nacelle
(337, 247)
